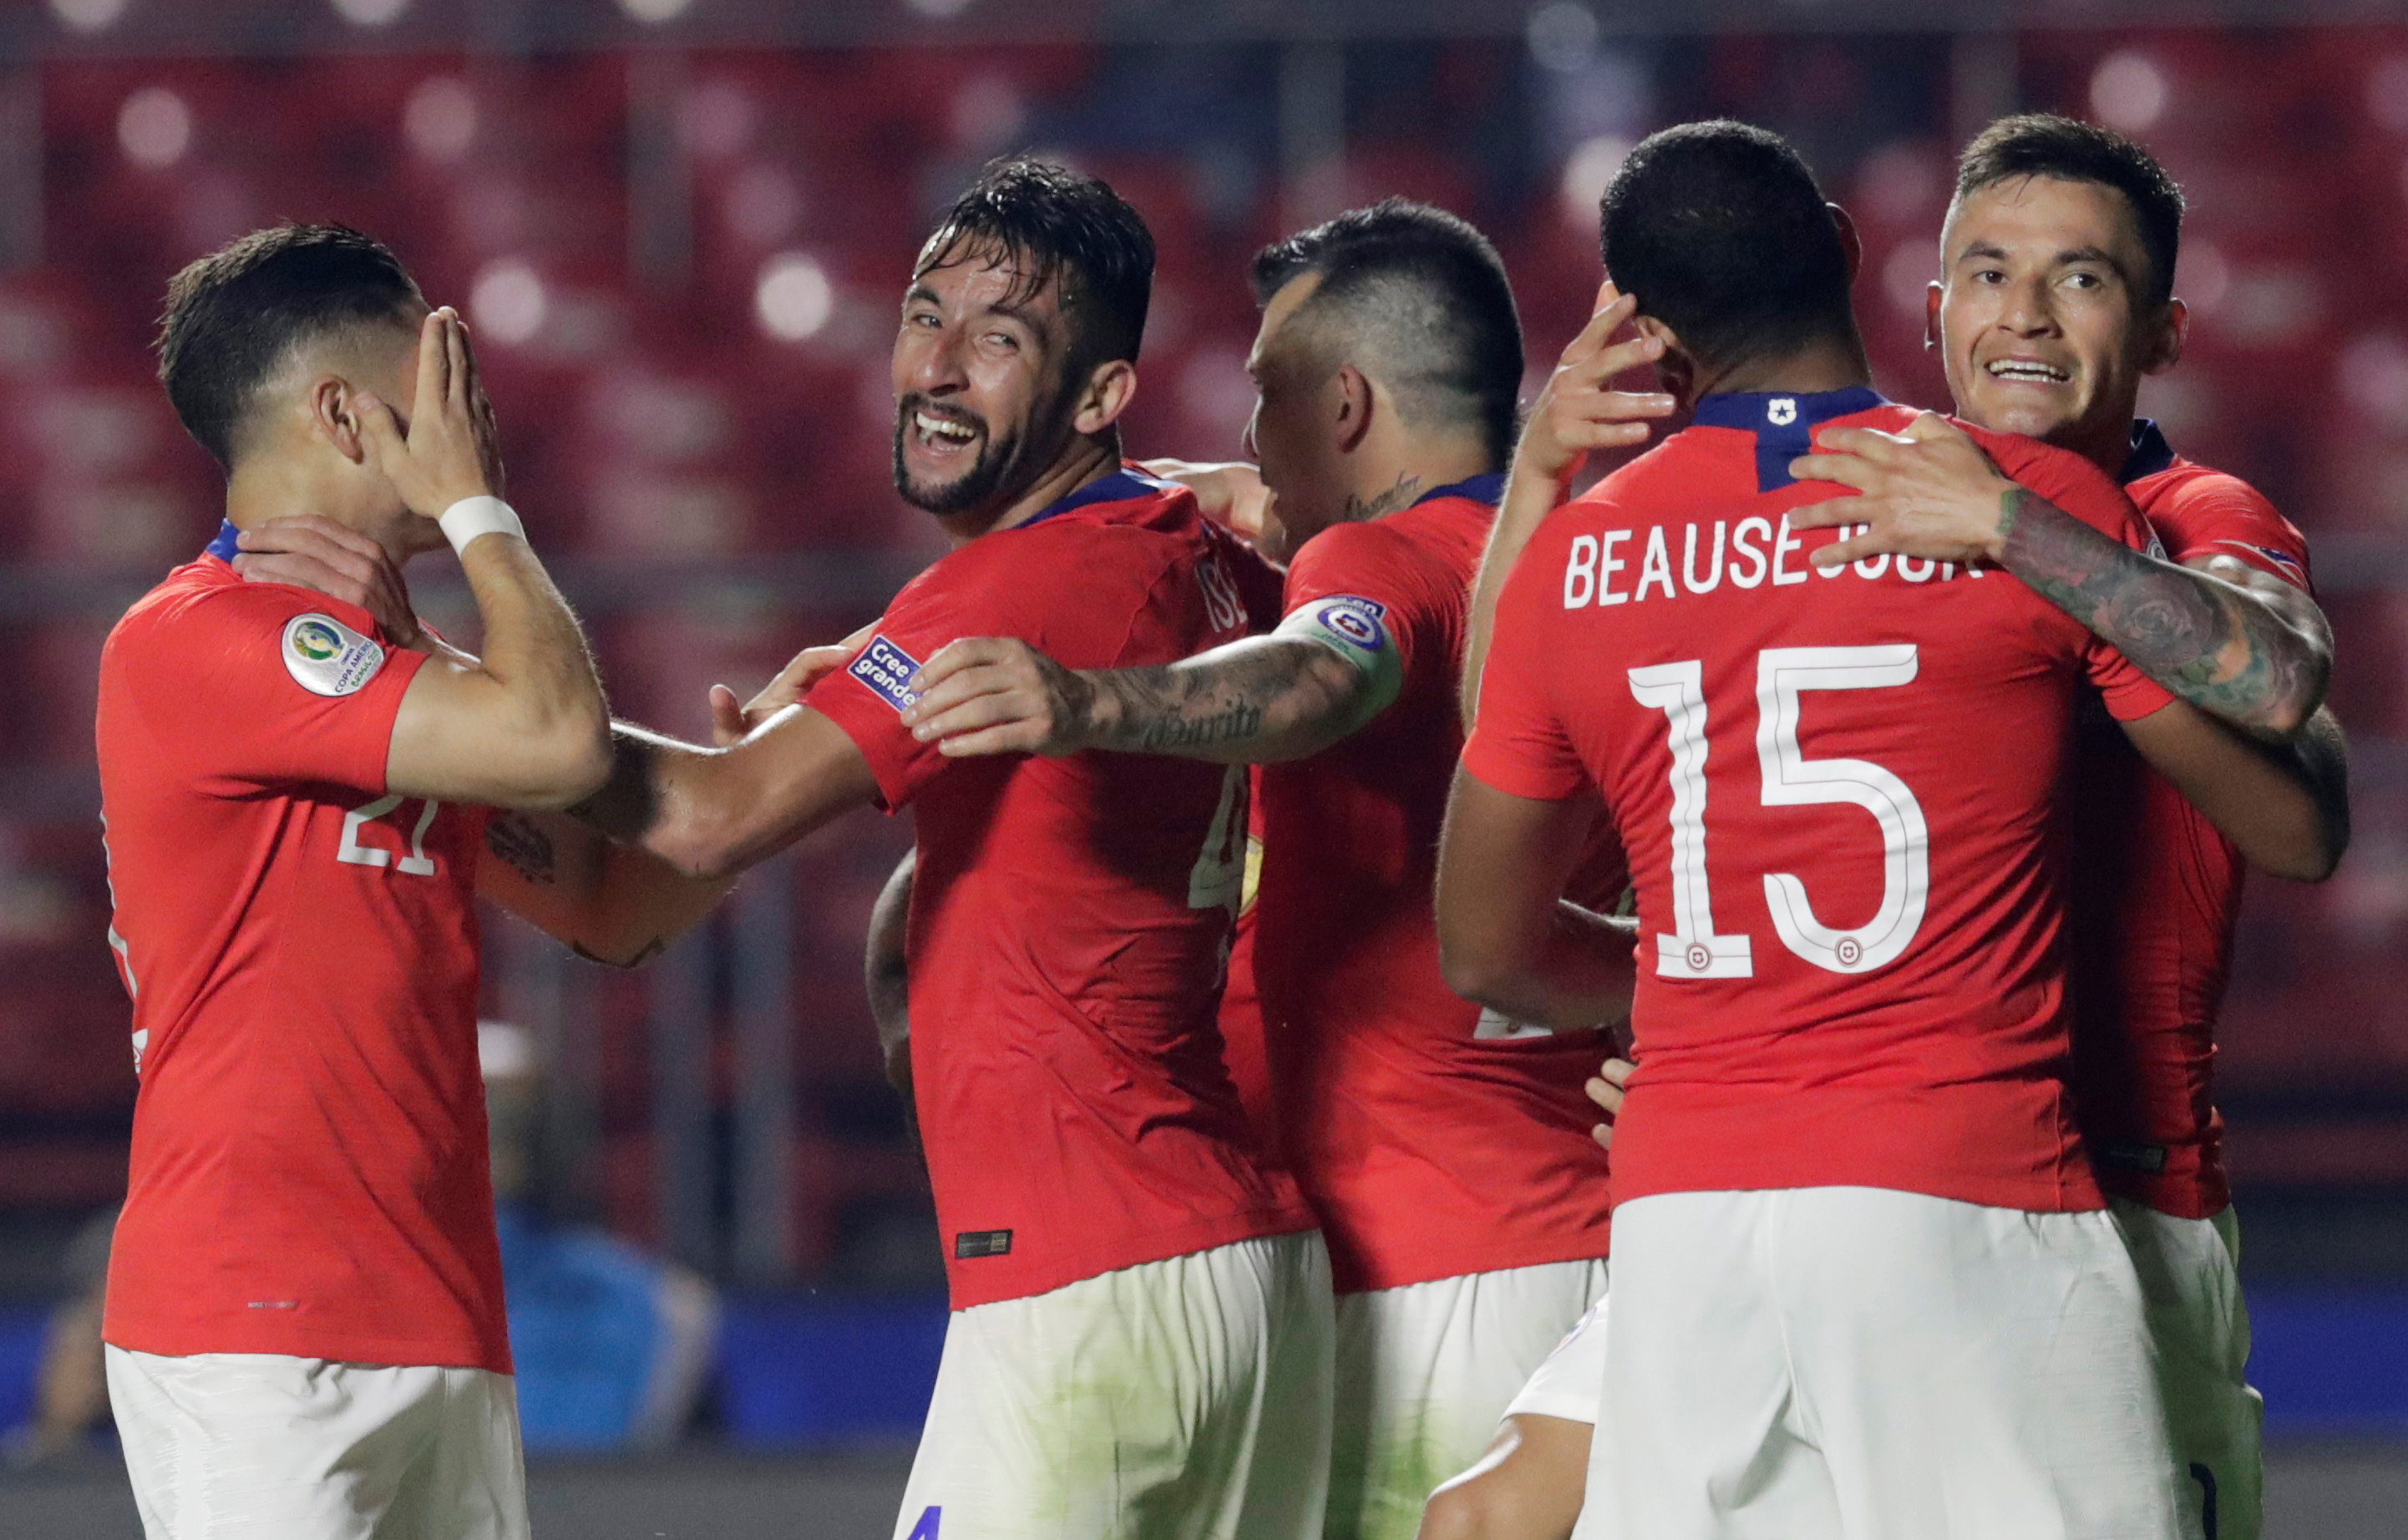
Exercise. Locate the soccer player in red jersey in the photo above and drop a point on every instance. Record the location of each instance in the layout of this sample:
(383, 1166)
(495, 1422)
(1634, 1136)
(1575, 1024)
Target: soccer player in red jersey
(304, 1317)
(2057, 299)
(1446, 1150)
(1859, 1250)
(1140, 1311)
(2051, 315)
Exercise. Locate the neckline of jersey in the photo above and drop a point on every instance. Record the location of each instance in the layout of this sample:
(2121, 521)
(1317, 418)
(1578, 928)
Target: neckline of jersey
(1753, 410)
(2150, 454)
(1782, 423)
(1487, 486)
(223, 548)
(1120, 486)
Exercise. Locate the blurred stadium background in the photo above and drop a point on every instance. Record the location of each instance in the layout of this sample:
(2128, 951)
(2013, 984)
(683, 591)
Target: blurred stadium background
(679, 227)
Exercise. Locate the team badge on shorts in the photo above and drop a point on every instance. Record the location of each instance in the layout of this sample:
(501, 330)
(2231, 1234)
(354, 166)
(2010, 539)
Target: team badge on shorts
(325, 657)
(1354, 620)
(887, 670)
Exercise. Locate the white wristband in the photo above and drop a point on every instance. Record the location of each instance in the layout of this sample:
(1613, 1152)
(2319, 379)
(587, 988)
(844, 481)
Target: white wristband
(471, 517)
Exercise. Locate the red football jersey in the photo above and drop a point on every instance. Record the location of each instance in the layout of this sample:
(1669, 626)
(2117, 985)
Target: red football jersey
(309, 1169)
(1432, 1140)
(1837, 793)
(2157, 891)
(1071, 916)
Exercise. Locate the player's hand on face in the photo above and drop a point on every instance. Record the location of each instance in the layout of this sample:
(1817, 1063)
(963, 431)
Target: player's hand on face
(1604, 1088)
(999, 696)
(450, 449)
(309, 550)
(1929, 493)
(1579, 409)
(730, 722)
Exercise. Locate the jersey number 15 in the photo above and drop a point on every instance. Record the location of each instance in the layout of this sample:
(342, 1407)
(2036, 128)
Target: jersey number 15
(1693, 950)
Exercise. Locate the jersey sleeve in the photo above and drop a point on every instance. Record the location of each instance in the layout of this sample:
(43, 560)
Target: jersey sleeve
(1519, 744)
(981, 597)
(262, 684)
(1366, 563)
(2211, 514)
(2083, 491)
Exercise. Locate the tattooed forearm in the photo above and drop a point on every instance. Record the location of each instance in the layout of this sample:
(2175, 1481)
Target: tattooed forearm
(1268, 699)
(524, 847)
(2209, 642)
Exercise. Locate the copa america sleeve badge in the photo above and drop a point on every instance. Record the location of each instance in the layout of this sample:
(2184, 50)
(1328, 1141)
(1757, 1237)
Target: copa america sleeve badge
(325, 657)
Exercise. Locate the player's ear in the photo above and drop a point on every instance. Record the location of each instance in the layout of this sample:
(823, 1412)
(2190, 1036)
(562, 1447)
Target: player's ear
(2162, 348)
(1674, 368)
(1851, 244)
(1109, 391)
(1349, 405)
(335, 417)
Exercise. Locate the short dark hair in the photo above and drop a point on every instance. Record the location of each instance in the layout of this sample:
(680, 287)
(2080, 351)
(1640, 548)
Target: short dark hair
(1719, 230)
(2046, 144)
(1058, 226)
(1425, 298)
(234, 316)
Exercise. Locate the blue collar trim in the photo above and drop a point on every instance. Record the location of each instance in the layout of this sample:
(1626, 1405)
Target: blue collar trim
(1487, 486)
(2150, 454)
(1120, 486)
(1784, 426)
(224, 547)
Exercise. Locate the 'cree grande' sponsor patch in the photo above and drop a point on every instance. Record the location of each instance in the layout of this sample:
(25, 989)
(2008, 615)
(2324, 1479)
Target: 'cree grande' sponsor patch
(887, 669)
(325, 657)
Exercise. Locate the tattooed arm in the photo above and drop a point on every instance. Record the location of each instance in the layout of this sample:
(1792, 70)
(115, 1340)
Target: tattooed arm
(608, 903)
(1260, 701)
(2245, 647)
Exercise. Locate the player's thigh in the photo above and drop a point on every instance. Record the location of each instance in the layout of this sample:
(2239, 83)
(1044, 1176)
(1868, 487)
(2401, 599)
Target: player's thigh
(267, 1445)
(1527, 1487)
(1275, 1454)
(1973, 1371)
(2199, 1326)
(1424, 1374)
(1697, 1437)
(471, 1483)
(1165, 1399)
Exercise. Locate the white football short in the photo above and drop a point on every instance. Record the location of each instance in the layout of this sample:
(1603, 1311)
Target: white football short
(1186, 1399)
(1838, 1361)
(272, 1447)
(1570, 1382)
(1425, 1372)
(2190, 1283)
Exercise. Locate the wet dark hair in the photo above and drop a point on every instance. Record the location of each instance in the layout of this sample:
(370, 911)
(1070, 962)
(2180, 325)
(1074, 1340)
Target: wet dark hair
(1422, 297)
(234, 316)
(1719, 230)
(2046, 144)
(1058, 226)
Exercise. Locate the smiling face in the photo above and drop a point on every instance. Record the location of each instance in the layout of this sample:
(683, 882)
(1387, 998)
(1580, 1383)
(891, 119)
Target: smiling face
(2045, 316)
(979, 394)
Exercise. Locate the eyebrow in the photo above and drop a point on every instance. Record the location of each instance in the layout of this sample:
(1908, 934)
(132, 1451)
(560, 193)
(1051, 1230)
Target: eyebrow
(1985, 251)
(920, 293)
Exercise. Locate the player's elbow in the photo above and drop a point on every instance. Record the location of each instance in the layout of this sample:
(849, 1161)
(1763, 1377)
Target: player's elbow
(561, 763)
(2310, 858)
(1476, 968)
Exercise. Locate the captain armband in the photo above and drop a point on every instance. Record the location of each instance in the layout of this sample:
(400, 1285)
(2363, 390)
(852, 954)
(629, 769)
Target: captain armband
(1356, 628)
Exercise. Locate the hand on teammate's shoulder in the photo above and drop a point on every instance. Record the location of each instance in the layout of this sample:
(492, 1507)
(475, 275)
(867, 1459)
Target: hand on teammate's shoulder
(312, 551)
